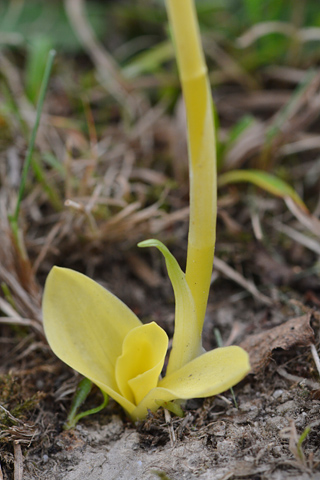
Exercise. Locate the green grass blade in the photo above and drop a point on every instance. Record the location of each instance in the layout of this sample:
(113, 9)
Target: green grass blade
(82, 392)
(291, 107)
(266, 181)
(50, 189)
(26, 166)
(149, 61)
(38, 51)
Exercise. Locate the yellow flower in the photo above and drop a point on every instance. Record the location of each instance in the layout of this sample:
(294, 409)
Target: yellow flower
(95, 333)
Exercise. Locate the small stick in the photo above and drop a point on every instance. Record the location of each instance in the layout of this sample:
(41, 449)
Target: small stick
(315, 357)
(299, 380)
(18, 461)
(167, 418)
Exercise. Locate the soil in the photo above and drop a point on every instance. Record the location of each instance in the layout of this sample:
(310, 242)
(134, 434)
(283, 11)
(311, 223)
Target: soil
(255, 435)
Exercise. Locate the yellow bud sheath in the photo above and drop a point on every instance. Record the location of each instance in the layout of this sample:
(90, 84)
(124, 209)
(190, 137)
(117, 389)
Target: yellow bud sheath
(202, 151)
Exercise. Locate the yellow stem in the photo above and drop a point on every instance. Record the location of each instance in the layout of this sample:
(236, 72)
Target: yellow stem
(202, 150)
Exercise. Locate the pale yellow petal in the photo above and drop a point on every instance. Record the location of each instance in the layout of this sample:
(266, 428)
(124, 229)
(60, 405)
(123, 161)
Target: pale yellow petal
(155, 399)
(141, 362)
(186, 343)
(85, 326)
(210, 374)
(128, 406)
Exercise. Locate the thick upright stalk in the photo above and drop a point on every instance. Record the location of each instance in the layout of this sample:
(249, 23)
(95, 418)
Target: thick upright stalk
(202, 150)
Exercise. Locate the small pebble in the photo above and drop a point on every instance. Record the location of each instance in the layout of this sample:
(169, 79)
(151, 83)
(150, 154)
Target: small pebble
(45, 458)
(286, 407)
(40, 384)
(277, 451)
(277, 393)
(277, 422)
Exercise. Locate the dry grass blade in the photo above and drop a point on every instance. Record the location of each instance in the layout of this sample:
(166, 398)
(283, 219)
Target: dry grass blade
(288, 29)
(13, 78)
(295, 447)
(303, 107)
(25, 302)
(309, 141)
(229, 272)
(19, 431)
(7, 308)
(298, 380)
(265, 28)
(284, 74)
(315, 356)
(248, 145)
(168, 420)
(294, 114)
(147, 119)
(143, 271)
(255, 101)
(18, 461)
(309, 221)
(18, 283)
(46, 246)
(299, 237)
(229, 66)
(106, 66)
(22, 322)
(46, 138)
(163, 222)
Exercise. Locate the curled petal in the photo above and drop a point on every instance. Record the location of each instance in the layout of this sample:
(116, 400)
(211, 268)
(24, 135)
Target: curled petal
(210, 374)
(141, 362)
(85, 326)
